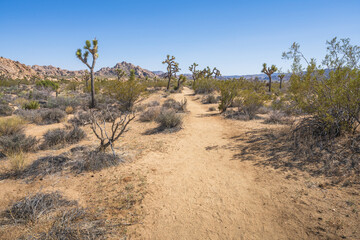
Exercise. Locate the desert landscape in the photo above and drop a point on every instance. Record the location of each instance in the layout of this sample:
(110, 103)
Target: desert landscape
(185, 152)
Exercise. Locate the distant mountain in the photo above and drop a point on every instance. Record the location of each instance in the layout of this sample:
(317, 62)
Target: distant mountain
(159, 73)
(139, 72)
(55, 71)
(15, 69)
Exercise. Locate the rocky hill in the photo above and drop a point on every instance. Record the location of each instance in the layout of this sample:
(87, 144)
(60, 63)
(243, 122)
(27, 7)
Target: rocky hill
(15, 69)
(139, 72)
(55, 71)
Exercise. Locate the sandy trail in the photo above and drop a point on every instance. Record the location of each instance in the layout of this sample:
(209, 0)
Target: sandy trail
(195, 193)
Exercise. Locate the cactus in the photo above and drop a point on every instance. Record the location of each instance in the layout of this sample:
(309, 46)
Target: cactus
(93, 50)
(172, 68)
(269, 71)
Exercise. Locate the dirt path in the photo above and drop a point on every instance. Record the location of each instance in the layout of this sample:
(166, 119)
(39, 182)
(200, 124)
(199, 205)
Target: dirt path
(197, 192)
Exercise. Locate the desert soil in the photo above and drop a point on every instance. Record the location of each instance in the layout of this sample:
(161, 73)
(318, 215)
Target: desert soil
(195, 184)
(200, 189)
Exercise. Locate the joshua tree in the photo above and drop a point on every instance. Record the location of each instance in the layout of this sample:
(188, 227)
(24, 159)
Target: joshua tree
(172, 68)
(281, 77)
(207, 72)
(216, 72)
(195, 73)
(84, 58)
(120, 73)
(181, 80)
(269, 71)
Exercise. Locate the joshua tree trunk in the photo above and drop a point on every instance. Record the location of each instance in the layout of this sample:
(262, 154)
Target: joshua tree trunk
(269, 82)
(280, 83)
(168, 85)
(92, 88)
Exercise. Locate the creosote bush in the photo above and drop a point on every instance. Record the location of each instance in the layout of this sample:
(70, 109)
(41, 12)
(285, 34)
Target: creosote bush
(205, 86)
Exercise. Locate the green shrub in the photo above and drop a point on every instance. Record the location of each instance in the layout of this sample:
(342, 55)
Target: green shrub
(250, 102)
(48, 84)
(205, 86)
(229, 90)
(127, 93)
(31, 105)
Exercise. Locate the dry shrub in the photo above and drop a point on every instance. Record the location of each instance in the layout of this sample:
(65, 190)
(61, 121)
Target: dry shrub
(10, 126)
(168, 118)
(45, 166)
(18, 142)
(209, 99)
(5, 109)
(93, 161)
(43, 116)
(60, 136)
(175, 105)
(278, 117)
(81, 118)
(211, 109)
(69, 110)
(150, 114)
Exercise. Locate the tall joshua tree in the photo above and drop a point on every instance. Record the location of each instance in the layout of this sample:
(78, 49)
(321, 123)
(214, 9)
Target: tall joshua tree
(172, 68)
(269, 71)
(195, 73)
(84, 58)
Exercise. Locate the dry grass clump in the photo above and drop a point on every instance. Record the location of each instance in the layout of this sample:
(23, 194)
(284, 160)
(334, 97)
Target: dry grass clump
(50, 216)
(13, 125)
(17, 162)
(31, 208)
(150, 114)
(76, 223)
(61, 136)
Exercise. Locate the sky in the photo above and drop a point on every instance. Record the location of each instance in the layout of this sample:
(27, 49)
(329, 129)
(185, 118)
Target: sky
(237, 37)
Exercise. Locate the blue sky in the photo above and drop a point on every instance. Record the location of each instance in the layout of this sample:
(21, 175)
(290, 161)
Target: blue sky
(235, 36)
